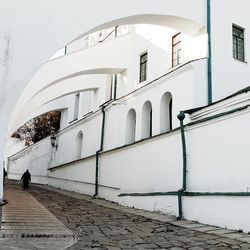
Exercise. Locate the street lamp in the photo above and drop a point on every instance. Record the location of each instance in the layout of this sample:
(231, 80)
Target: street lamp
(53, 139)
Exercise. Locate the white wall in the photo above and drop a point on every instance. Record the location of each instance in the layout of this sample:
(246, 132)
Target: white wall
(78, 176)
(216, 163)
(182, 80)
(230, 161)
(66, 139)
(134, 171)
(36, 159)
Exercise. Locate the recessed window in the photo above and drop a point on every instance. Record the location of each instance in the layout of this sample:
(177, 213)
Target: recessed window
(76, 107)
(238, 43)
(147, 120)
(143, 66)
(176, 49)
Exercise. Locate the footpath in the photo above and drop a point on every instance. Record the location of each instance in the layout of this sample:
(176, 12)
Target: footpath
(27, 224)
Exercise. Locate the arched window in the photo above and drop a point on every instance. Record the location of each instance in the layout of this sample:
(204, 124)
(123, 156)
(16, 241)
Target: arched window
(78, 147)
(130, 126)
(166, 112)
(146, 120)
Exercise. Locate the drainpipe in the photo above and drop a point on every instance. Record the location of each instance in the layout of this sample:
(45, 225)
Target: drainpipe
(209, 59)
(181, 118)
(99, 151)
(115, 87)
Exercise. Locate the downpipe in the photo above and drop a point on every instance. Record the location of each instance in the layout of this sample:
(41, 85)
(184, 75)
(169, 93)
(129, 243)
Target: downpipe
(209, 59)
(181, 191)
(98, 153)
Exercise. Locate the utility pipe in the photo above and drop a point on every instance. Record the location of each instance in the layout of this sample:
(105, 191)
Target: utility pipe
(115, 87)
(99, 151)
(209, 59)
(181, 118)
(185, 193)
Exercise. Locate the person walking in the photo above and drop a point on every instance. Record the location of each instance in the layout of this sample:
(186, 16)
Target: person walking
(4, 175)
(26, 178)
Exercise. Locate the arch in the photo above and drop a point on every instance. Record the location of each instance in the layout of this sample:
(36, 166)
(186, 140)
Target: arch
(50, 28)
(172, 14)
(67, 87)
(146, 130)
(166, 113)
(130, 127)
(78, 146)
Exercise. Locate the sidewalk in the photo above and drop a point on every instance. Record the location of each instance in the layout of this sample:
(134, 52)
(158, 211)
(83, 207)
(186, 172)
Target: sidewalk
(26, 224)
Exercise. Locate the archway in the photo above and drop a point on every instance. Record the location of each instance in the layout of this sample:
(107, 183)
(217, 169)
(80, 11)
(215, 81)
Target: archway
(130, 127)
(166, 112)
(78, 146)
(146, 130)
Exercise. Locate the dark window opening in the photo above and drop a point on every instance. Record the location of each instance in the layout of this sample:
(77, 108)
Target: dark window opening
(143, 67)
(238, 43)
(170, 114)
(176, 49)
(150, 123)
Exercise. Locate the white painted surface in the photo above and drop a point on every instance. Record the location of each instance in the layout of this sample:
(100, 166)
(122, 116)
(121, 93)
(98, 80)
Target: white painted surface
(36, 159)
(159, 204)
(78, 176)
(219, 163)
(225, 212)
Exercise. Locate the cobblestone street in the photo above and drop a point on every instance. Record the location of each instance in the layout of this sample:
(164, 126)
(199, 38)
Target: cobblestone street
(99, 227)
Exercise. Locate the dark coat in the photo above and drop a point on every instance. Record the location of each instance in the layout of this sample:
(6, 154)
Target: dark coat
(26, 178)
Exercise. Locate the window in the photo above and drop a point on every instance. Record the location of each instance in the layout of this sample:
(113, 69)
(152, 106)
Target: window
(76, 107)
(176, 49)
(238, 43)
(143, 66)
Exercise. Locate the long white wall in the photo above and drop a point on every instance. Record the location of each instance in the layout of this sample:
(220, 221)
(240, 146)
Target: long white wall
(214, 164)
(36, 158)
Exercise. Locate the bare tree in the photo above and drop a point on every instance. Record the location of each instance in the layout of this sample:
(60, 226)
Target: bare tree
(38, 128)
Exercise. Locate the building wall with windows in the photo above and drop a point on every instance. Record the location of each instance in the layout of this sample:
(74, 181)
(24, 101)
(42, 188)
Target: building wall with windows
(229, 74)
(153, 166)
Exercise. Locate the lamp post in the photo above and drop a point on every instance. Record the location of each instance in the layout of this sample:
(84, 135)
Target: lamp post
(53, 139)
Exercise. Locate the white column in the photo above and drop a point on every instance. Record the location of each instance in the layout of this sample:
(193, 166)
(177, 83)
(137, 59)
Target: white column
(4, 46)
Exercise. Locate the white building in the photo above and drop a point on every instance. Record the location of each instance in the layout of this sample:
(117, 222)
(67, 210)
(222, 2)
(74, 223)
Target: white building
(154, 102)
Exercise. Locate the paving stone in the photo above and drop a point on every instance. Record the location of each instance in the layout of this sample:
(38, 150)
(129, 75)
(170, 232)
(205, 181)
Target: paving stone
(247, 239)
(221, 231)
(206, 228)
(196, 248)
(103, 226)
(235, 247)
(177, 248)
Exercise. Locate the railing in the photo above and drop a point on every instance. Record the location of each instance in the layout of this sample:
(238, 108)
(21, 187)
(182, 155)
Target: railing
(114, 30)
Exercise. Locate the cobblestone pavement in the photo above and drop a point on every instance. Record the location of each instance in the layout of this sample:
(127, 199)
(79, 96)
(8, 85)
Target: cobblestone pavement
(99, 227)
